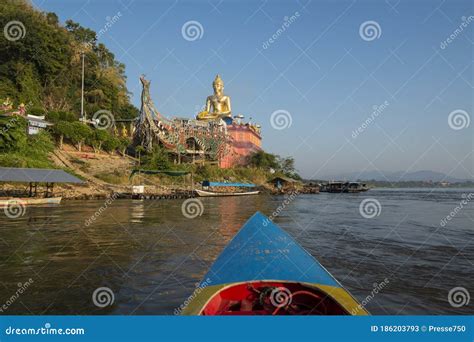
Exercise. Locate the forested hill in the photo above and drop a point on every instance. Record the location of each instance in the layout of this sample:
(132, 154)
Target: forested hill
(43, 68)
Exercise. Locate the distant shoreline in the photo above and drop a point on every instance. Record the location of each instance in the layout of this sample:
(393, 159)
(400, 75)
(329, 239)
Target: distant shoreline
(371, 184)
(424, 188)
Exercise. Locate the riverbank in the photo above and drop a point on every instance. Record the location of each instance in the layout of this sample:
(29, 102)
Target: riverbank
(107, 174)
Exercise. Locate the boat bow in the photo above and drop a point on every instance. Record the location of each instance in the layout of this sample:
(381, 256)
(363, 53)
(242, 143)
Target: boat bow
(261, 252)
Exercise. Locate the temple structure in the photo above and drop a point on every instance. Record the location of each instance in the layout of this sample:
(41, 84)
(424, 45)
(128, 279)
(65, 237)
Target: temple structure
(214, 136)
(245, 139)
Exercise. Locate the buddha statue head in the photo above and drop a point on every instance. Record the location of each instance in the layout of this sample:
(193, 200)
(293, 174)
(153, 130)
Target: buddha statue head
(218, 85)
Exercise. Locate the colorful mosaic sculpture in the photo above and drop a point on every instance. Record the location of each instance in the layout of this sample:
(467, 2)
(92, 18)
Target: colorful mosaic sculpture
(182, 136)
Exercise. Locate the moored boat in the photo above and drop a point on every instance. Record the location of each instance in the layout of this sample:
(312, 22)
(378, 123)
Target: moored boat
(213, 189)
(29, 201)
(203, 193)
(344, 187)
(263, 271)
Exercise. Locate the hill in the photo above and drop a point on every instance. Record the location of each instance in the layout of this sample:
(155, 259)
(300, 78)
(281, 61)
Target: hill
(41, 62)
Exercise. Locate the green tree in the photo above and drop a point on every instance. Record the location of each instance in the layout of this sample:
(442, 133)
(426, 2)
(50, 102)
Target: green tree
(287, 165)
(18, 149)
(13, 135)
(123, 144)
(57, 116)
(158, 159)
(44, 66)
(62, 129)
(97, 139)
(139, 150)
(79, 134)
(263, 160)
(80, 33)
(111, 144)
(38, 111)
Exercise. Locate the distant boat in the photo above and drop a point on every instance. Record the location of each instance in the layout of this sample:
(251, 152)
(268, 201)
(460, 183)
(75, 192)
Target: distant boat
(213, 189)
(29, 201)
(344, 187)
(263, 271)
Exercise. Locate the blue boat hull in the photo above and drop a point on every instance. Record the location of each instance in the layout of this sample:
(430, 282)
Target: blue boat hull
(263, 258)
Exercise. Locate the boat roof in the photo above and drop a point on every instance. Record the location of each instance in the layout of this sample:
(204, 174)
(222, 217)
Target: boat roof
(27, 175)
(263, 251)
(243, 185)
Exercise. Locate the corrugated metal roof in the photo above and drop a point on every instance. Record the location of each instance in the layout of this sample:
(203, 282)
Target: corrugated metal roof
(13, 174)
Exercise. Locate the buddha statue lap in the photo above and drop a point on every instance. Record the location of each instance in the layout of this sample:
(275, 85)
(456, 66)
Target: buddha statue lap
(217, 105)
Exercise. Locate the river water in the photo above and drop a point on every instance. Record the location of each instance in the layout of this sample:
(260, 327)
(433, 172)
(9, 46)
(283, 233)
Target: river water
(151, 256)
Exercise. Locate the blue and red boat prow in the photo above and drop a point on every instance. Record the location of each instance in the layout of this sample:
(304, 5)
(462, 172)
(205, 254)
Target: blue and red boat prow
(263, 270)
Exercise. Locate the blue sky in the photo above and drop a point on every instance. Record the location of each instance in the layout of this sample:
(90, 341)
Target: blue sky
(319, 72)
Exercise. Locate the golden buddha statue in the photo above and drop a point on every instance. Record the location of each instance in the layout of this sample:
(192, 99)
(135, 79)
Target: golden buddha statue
(217, 105)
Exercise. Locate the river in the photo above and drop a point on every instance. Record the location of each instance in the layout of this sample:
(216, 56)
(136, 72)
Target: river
(151, 256)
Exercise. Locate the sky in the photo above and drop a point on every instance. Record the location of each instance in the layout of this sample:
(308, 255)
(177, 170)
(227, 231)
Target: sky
(341, 86)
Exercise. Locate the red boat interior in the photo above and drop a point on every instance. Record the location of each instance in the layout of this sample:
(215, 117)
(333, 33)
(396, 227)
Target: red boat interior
(272, 298)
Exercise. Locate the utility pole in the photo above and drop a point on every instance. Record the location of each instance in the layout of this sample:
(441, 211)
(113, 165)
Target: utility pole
(82, 89)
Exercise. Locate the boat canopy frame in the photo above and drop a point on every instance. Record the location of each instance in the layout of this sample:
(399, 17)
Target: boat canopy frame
(207, 183)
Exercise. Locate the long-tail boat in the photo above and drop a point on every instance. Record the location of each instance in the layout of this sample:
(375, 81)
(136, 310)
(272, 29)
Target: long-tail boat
(344, 187)
(264, 271)
(24, 201)
(214, 189)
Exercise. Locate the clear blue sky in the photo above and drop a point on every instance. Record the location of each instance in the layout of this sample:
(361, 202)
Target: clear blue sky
(319, 69)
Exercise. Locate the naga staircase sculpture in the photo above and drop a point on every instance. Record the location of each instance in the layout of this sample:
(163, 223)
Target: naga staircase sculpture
(152, 128)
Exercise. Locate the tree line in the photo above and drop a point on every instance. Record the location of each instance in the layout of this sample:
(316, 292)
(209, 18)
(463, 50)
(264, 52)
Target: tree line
(43, 66)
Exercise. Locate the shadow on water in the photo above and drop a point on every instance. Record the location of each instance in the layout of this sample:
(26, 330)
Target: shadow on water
(151, 256)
